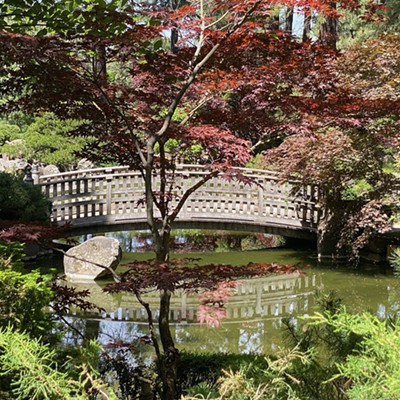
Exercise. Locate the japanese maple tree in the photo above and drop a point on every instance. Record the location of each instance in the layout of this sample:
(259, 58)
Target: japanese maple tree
(351, 152)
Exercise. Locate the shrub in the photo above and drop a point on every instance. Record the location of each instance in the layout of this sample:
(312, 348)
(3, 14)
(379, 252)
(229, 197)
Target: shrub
(373, 369)
(32, 366)
(207, 368)
(32, 372)
(21, 201)
(23, 298)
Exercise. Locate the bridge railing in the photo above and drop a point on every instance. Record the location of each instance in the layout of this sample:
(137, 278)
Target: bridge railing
(116, 194)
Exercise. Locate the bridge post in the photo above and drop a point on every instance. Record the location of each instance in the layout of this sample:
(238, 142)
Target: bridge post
(260, 200)
(109, 181)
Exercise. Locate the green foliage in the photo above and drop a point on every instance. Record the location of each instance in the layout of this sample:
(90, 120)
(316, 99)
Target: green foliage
(334, 355)
(18, 118)
(30, 366)
(256, 162)
(355, 29)
(63, 16)
(273, 383)
(48, 140)
(261, 241)
(246, 377)
(24, 298)
(357, 190)
(185, 154)
(21, 201)
(373, 369)
(394, 259)
(200, 368)
(11, 255)
(8, 132)
(12, 126)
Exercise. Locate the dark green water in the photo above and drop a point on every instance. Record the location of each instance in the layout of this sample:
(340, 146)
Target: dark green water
(254, 313)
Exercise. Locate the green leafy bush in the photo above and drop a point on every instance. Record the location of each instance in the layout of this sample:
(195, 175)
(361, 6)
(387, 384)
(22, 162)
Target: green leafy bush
(8, 132)
(250, 377)
(21, 201)
(32, 372)
(394, 259)
(23, 298)
(30, 366)
(373, 369)
(207, 368)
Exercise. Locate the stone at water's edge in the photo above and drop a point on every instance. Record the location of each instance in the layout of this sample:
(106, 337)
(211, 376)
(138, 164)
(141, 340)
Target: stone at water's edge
(81, 262)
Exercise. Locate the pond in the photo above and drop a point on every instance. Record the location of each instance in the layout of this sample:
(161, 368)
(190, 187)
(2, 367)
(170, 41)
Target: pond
(256, 309)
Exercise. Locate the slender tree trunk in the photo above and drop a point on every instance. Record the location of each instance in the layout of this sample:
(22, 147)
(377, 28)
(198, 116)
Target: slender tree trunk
(171, 353)
(328, 30)
(169, 361)
(329, 231)
(288, 25)
(174, 40)
(306, 27)
(100, 64)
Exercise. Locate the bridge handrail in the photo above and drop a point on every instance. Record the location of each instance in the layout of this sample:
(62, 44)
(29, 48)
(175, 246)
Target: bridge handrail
(114, 194)
(181, 168)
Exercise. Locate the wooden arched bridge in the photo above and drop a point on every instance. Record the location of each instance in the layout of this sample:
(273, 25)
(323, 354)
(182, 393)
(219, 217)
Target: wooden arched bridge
(109, 199)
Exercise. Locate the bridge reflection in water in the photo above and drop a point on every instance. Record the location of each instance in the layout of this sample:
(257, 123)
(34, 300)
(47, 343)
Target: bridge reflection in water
(254, 314)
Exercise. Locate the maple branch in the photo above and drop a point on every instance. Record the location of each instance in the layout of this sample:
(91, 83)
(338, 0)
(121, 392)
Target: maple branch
(86, 76)
(188, 192)
(69, 324)
(116, 277)
(163, 202)
(201, 38)
(218, 20)
(148, 184)
(122, 115)
(201, 103)
(151, 325)
(196, 69)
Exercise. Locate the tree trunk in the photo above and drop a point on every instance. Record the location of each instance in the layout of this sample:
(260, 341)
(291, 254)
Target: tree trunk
(306, 27)
(174, 40)
(329, 232)
(328, 30)
(100, 64)
(169, 362)
(288, 24)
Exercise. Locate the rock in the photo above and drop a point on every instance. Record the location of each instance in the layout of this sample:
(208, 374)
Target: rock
(3, 164)
(81, 262)
(84, 164)
(49, 170)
